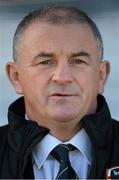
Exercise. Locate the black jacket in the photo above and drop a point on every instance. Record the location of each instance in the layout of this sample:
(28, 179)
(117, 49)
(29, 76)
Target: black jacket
(18, 138)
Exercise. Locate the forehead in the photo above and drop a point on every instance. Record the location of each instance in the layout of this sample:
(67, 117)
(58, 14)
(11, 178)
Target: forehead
(53, 37)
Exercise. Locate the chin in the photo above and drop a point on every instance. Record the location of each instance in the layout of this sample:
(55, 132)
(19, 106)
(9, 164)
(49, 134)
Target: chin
(64, 116)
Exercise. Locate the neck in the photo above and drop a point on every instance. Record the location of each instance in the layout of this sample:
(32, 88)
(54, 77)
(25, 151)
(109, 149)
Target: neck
(64, 131)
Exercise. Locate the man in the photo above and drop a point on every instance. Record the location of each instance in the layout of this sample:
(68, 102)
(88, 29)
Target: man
(59, 69)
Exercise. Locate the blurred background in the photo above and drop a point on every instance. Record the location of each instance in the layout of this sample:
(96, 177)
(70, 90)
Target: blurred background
(104, 12)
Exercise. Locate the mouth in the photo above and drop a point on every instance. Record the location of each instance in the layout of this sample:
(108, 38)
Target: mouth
(61, 95)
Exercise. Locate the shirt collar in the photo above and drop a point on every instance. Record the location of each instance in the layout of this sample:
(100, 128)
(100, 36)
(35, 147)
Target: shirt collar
(43, 149)
(81, 141)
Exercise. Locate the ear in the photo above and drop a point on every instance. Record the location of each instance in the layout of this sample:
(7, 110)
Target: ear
(104, 73)
(13, 76)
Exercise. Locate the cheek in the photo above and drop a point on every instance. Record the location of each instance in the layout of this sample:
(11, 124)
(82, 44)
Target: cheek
(94, 83)
(89, 81)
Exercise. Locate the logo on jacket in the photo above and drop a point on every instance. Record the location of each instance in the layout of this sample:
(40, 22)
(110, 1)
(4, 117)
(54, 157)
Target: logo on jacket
(112, 173)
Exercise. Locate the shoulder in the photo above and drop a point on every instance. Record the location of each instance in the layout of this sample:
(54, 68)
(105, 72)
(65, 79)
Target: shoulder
(3, 133)
(115, 129)
(4, 128)
(115, 123)
(3, 141)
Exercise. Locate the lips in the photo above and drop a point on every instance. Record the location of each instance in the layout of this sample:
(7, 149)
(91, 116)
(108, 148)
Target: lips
(62, 95)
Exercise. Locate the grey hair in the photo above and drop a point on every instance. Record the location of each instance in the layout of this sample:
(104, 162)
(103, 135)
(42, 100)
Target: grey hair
(56, 15)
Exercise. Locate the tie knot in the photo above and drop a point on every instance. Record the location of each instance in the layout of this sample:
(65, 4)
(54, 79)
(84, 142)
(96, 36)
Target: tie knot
(61, 152)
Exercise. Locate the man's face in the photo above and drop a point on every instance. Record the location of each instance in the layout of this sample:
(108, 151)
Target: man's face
(59, 72)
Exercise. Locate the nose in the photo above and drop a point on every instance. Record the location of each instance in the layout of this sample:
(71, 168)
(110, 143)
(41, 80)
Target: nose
(62, 74)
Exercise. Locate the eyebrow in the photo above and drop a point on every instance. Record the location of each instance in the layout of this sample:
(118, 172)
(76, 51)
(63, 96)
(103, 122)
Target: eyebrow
(81, 53)
(44, 54)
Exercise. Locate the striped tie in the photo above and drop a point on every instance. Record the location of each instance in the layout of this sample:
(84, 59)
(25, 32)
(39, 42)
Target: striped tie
(61, 154)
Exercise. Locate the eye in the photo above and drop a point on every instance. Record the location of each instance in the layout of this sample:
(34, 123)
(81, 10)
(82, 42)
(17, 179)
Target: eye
(78, 61)
(46, 62)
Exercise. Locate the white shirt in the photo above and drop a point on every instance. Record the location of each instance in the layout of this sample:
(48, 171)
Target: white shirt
(46, 167)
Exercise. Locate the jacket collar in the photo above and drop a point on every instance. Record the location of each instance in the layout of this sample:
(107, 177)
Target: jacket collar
(22, 134)
(21, 131)
(99, 125)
